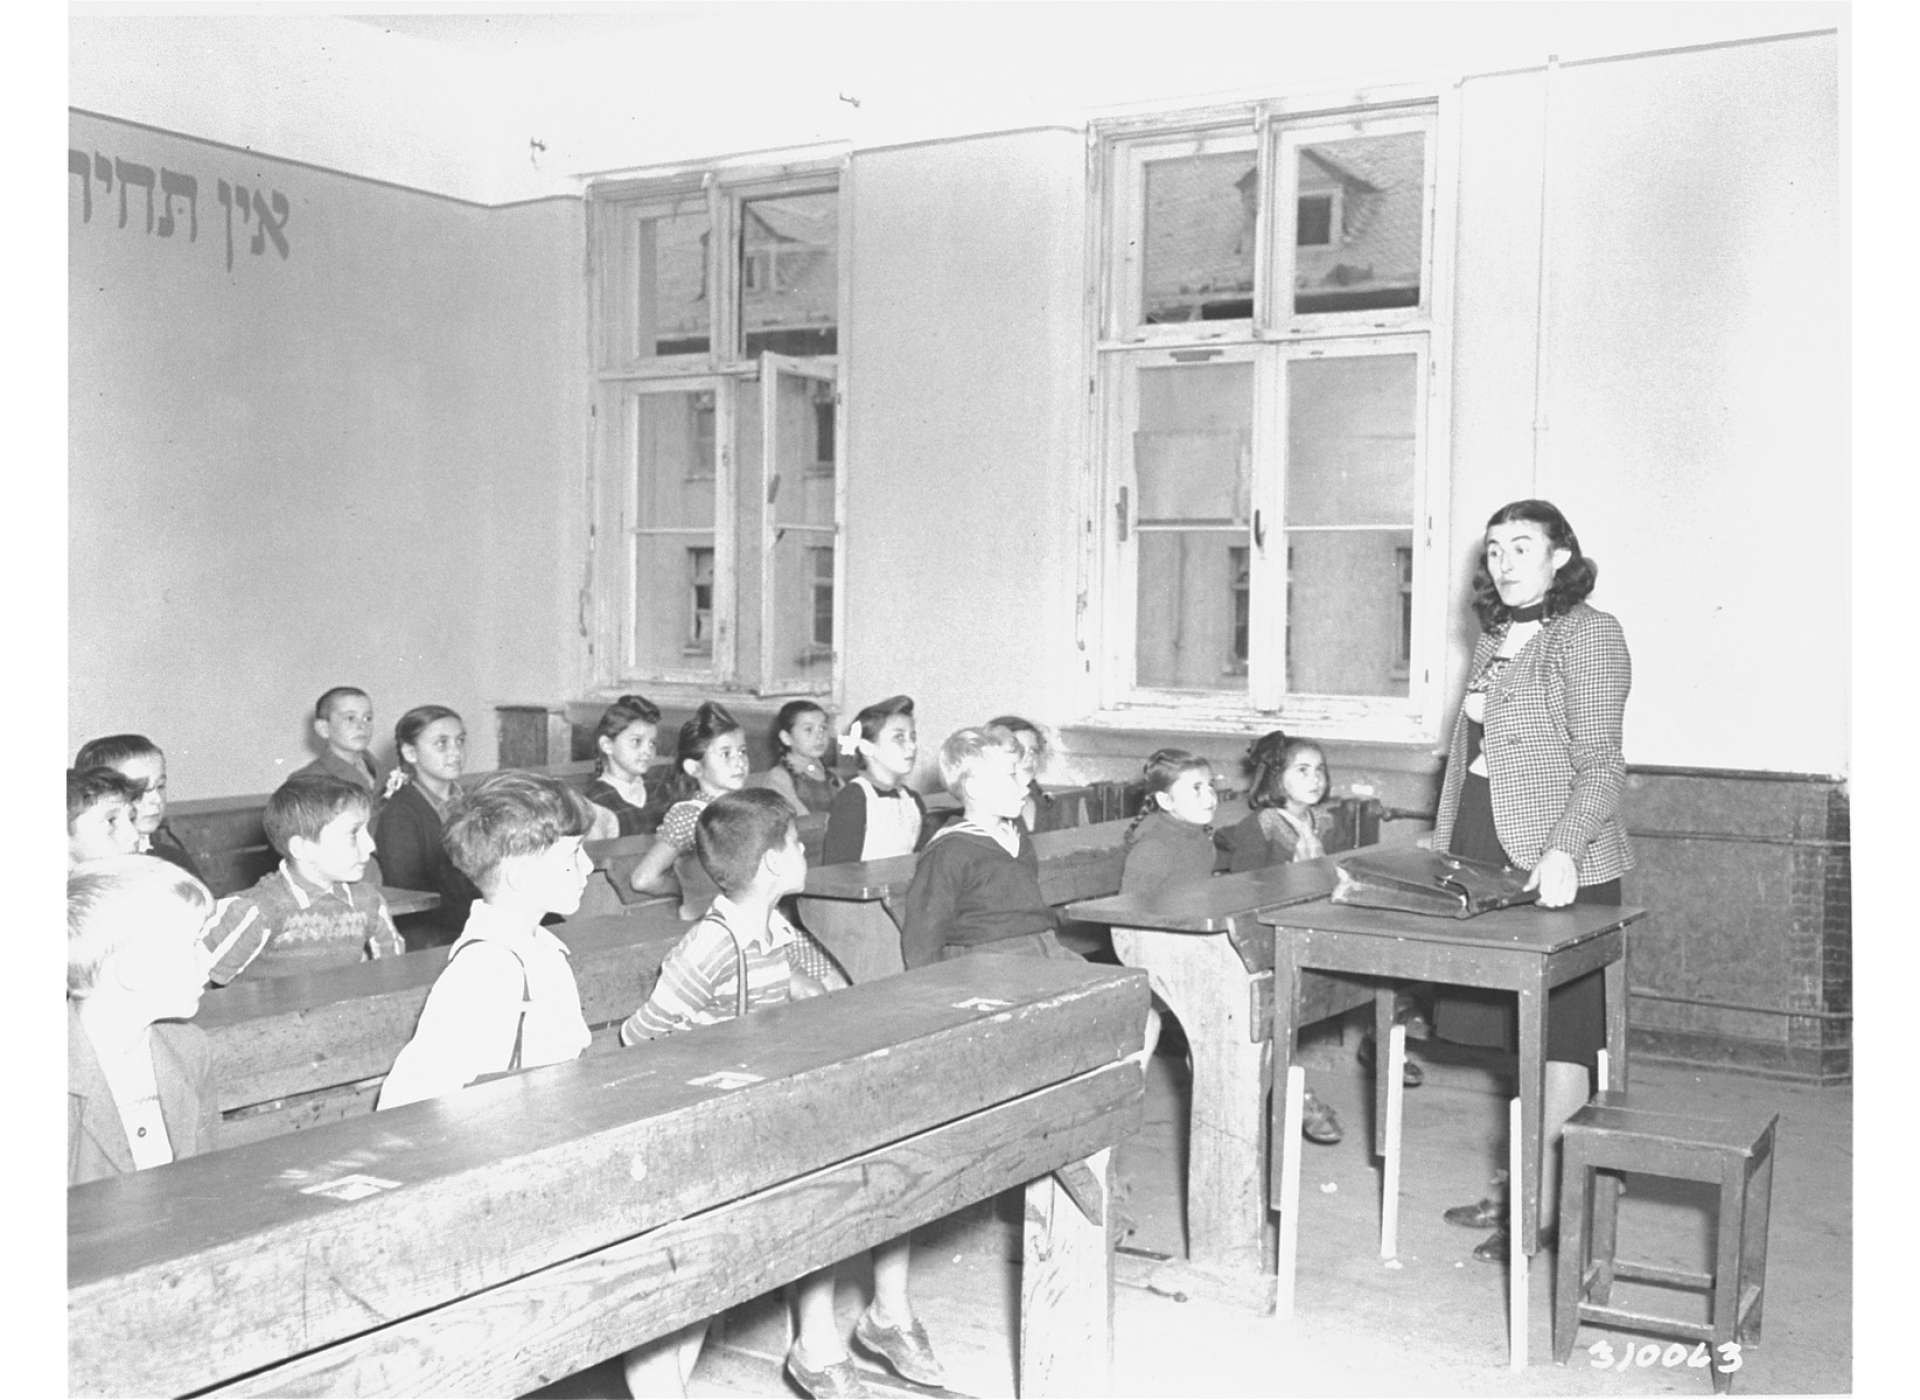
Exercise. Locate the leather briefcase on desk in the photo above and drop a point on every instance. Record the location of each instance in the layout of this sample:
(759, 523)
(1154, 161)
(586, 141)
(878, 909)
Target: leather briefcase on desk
(1428, 882)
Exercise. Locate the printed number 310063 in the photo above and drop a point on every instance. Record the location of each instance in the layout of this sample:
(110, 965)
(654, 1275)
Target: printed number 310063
(1673, 1354)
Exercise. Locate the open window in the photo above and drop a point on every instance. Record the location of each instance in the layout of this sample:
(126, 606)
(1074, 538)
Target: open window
(1269, 335)
(718, 494)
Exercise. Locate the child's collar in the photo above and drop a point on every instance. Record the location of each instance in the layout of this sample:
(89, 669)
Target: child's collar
(304, 886)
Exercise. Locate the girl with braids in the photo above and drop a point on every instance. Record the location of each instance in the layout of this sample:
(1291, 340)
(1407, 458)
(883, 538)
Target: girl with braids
(623, 751)
(711, 759)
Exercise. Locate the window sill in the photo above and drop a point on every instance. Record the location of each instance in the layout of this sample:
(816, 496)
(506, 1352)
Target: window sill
(1388, 723)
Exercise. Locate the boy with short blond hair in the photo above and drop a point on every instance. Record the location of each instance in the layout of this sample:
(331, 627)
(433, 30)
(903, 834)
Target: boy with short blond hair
(507, 999)
(139, 1080)
(100, 815)
(976, 887)
(318, 909)
(733, 961)
(343, 718)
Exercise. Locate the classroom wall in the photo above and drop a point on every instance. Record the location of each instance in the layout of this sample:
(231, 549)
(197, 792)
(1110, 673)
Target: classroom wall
(1693, 371)
(357, 460)
(964, 419)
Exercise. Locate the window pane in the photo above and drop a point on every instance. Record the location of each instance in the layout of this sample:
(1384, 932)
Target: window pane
(671, 461)
(1351, 440)
(1197, 259)
(1189, 632)
(789, 274)
(799, 594)
(1193, 448)
(669, 263)
(1347, 612)
(1360, 223)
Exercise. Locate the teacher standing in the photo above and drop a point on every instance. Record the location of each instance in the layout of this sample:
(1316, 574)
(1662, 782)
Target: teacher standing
(1535, 773)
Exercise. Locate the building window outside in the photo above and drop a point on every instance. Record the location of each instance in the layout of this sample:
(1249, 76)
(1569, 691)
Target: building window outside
(714, 387)
(700, 602)
(1267, 335)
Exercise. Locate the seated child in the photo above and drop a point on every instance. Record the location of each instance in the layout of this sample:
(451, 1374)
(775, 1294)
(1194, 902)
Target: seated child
(736, 960)
(1288, 781)
(977, 886)
(874, 817)
(139, 1079)
(712, 756)
(100, 821)
(138, 759)
(318, 909)
(430, 742)
(507, 999)
(709, 759)
(1042, 811)
(801, 737)
(343, 718)
(623, 746)
(1171, 841)
(877, 815)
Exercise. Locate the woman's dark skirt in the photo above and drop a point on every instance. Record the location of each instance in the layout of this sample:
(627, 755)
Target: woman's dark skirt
(1576, 1010)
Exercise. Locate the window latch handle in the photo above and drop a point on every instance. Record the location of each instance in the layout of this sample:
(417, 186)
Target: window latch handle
(1259, 531)
(1120, 514)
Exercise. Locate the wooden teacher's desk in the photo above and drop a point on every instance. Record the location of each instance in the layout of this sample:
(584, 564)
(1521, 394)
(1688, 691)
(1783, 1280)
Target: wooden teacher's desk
(1202, 945)
(1525, 951)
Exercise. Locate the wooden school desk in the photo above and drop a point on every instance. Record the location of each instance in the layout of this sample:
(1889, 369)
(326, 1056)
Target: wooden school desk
(401, 902)
(293, 1052)
(1212, 961)
(495, 1239)
(1525, 951)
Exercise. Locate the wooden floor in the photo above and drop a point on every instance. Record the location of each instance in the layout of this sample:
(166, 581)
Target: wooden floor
(1431, 1322)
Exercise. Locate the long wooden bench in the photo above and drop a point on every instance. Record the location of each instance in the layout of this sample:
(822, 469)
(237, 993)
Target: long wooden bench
(225, 837)
(490, 1241)
(1211, 961)
(294, 1052)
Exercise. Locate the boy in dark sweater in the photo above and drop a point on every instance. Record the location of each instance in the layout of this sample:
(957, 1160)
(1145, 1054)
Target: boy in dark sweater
(976, 888)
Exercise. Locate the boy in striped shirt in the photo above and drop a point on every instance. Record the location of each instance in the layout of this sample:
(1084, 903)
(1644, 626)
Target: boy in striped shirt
(733, 961)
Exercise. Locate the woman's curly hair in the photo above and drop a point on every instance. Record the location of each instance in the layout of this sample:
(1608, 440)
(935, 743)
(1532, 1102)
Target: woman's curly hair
(1571, 584)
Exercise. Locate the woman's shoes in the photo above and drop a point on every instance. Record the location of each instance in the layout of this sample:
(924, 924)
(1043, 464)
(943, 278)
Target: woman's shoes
(841, 1379)
(906, 1349)
(1487, 1213)
(1318, 1122)
(1411, 1074)
(1495, 1248)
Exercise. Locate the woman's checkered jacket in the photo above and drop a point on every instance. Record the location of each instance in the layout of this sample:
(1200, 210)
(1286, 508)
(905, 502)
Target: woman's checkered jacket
(1552, 741)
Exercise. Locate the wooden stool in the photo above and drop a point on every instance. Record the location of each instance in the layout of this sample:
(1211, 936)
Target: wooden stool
(1609, 1136)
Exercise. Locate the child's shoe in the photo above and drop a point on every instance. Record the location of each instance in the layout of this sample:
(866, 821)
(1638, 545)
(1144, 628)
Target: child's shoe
(842, 1378)
(906, 1349)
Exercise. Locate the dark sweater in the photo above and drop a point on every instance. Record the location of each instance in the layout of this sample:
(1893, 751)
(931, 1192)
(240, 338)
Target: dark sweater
(968, 891)
(1163, 850)
(634, 821)
(413, 856)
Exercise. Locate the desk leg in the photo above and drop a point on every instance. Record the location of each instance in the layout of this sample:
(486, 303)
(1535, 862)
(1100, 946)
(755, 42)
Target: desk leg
(1533, 1076)
(1286, 1019)
(1615, 982)
(1204, 983)
(1383, 1002)
(1066, 1288)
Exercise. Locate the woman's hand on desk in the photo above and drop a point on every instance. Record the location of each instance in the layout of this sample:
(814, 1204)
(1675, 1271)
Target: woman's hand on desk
(1557, 878)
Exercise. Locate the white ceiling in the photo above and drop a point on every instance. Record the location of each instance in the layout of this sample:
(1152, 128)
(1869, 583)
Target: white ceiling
(455, 99)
